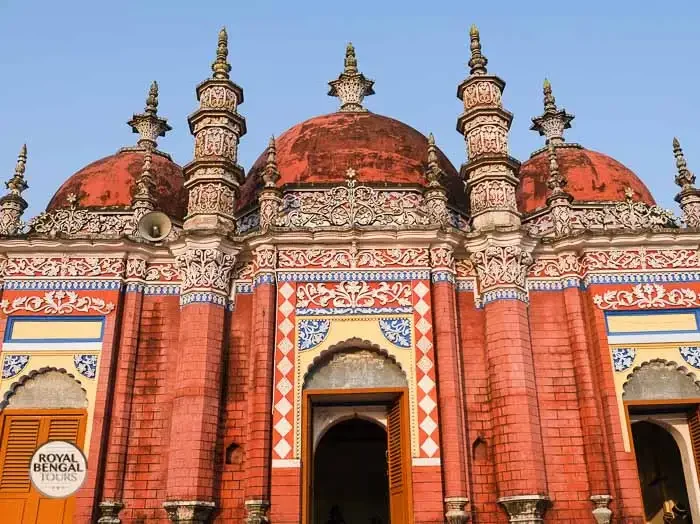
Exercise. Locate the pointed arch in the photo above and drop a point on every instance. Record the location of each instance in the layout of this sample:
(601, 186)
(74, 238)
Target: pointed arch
(660, 379)
(46, 388)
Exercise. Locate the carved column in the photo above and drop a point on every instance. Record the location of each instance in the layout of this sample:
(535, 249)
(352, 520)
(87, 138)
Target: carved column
(490, 172)
(450, 391)
(124, 376)
(12, 205)
(213, 178)
(259, 438)
(205, 266)
(502, 261)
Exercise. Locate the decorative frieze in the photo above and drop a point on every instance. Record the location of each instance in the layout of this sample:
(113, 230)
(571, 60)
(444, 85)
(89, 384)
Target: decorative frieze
(313, 258)
(57, 303)
(501, 266)
(64, 266)
(211, 198)
(206, 268)
(647, 296)
(354, 295)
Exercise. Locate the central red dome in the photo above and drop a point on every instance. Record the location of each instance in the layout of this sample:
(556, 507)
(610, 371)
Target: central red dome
(381, 150)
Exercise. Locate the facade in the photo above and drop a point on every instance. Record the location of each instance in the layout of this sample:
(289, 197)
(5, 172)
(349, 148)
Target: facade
(354, 330)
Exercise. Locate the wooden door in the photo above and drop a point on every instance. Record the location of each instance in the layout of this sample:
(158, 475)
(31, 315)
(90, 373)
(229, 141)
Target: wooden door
(398, 457)
(307, 468)
(22, 432)
(694, 426)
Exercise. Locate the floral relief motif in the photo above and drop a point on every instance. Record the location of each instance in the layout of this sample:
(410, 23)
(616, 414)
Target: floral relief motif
(397, 331)
(353, 295)
(57, 302)
(492, 194)
(465, 268)
(65, 267)
(691, 354)
(73, 221)
(556, 266)
(501, 266)
(442, 257)
(211, 198)
(12, 365)
(86, 365)
(623, 358)
(352, 205)
(481, 93)
(218, 97)
(265, 258)
(312, 332)
(353, 258)
(641, 259)
(136, 268)
(646, 296)
(206, 268)
(160, 272)
(215, 141)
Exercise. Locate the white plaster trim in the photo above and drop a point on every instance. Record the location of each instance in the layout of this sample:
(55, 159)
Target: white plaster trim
(653, 337)
(677, 425)
(50, 346)
(286, 463)
(426, 461)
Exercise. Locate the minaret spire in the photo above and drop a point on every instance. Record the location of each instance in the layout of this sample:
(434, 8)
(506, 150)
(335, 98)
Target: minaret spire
(490, 173)
(149, 126)
(214, 176)
(689, 196)
(552, 123)
(351, 86)
(435, 196)
(270, 196)
(559, 201)
(12, 204)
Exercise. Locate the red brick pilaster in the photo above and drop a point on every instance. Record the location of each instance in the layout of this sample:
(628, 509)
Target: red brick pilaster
(450, 393)
(518, 453)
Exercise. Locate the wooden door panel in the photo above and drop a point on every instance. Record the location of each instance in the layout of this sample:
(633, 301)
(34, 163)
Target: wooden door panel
(694, 427)
(398, 457)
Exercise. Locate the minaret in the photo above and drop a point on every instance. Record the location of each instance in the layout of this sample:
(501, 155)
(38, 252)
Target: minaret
(149, 126)
(214, 176)
(351, 86)
(490, 172)
(435, 195)
(270, 197)
(689, 196)
(552, 123)
(12, 205)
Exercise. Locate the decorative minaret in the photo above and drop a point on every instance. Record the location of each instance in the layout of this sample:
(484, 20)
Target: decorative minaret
(12, 205)
(490, 172)
(435, 195)
(559, 201)
(214, 176)
(552, 123)
(270, 196)
(149, 126)
(689, 196)
(351, 86)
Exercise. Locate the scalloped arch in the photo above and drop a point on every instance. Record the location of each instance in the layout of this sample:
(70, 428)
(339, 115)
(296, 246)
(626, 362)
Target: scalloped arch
(66, 390)
(660, 379)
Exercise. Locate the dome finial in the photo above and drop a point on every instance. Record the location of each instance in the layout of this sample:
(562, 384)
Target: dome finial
(552, 123)
(684, 178)
(221, 67)
(478, 61)
(351, 86)
(271, 174)
(148, 124)
(12, 205)
(433, 174)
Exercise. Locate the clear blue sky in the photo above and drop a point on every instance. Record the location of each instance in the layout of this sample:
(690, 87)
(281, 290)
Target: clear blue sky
(73, 73)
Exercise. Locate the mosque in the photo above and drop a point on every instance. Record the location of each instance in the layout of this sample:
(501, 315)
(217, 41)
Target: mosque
(353, 329)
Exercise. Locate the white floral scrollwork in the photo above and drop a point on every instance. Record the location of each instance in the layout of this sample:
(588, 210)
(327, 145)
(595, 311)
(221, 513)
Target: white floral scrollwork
(646, 296)
(211, 198)
(312, 332)
(65, 267)
(136, 268)
(641, 259)
(57, 302)
(265, 259)
(492, 194)
(352, 205)
(482, 93)
(465, 268)
(353, 295)
(502, 266)
(442, 257)
(397, 331)
(203, 268)
(566, 264)
(78, 221)
(353, 258)
(158, 272)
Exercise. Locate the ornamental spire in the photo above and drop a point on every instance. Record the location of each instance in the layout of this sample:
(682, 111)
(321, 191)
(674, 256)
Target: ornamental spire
(12, 205)
(351, 86)
(556, 181)
(148, 124)
(435, 196)
(552, 123)
(477, 62)
(490, 172)
(213, 177)
(221, 67)
(689, 195)
(270, 174)
(559, 201)
(434, 173)
(270, 197)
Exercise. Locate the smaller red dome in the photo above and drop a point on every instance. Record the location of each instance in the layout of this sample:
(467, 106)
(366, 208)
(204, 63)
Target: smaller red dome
(109, 184)
(591, 177)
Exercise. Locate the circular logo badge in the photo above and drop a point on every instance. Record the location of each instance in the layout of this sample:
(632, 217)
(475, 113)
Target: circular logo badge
(58, 469)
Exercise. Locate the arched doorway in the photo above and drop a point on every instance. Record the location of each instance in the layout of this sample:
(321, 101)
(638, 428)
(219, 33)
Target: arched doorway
(350, 474)
(660, 468)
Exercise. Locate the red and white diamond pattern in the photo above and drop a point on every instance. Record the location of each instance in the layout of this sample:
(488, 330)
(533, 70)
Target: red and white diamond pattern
(283, 399)
(426, 394)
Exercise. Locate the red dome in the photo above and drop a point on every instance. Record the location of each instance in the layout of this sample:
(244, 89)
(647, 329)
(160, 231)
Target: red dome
(380, 149)
(592, 177)
(109, 183)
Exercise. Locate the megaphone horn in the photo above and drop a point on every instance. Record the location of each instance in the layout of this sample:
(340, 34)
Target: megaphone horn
(154, 226)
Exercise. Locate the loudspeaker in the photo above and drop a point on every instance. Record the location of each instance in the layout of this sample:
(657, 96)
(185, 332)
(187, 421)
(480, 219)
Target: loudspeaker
(155, 226)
